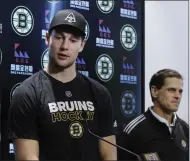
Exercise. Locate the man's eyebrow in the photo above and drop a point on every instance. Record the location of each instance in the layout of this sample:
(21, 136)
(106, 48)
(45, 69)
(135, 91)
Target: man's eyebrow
(72, 36)
(75, 37)
(57, 32)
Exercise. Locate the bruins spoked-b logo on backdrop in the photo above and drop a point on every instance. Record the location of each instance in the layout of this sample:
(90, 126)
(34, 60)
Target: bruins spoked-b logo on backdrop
(13, 90)
(104, 67)
(22, 20)
(87, 31)
(128, 103)
(128, 37)
(45, 58)
(105, 6)
(76, 129)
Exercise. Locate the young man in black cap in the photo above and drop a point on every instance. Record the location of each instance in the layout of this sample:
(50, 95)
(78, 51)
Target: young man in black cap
(51, 111)
(159, 134)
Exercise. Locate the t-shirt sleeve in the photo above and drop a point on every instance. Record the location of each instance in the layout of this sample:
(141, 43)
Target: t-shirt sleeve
(105, 114)
(22, 120)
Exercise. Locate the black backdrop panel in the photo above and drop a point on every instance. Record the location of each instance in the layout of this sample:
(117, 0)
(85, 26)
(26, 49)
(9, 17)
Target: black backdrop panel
(114, 52)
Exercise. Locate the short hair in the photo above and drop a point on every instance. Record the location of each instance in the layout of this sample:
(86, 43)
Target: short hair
(158, 79)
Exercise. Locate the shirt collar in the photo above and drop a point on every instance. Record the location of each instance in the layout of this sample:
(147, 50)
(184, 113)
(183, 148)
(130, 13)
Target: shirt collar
(163, 120)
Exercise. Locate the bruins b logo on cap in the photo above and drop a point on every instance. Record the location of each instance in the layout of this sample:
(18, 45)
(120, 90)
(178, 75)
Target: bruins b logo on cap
(70, 18)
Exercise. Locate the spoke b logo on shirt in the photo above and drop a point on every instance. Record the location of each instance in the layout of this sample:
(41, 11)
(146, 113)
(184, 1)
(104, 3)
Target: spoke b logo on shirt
(70, 18)
(76, 130)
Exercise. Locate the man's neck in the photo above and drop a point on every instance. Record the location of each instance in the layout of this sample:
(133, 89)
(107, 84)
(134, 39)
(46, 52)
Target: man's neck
(163, 114)
(63, 75)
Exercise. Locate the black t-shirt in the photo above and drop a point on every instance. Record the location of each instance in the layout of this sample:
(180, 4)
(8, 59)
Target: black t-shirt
(54, 113)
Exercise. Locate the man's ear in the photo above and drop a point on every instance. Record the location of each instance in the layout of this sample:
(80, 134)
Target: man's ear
(82, 45)
(47, 38)
(154, 91)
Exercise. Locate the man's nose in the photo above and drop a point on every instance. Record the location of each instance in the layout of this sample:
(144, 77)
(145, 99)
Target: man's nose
(65, 44)
(177, 94)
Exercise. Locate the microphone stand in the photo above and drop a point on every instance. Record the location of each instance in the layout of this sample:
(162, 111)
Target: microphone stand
(138, 157)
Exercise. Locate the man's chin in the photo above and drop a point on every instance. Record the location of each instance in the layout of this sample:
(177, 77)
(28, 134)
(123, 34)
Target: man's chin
(170, 110)
(64, 65)
(174, 109)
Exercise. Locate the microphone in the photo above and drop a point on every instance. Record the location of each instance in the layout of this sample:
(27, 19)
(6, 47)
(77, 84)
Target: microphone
(138, 157)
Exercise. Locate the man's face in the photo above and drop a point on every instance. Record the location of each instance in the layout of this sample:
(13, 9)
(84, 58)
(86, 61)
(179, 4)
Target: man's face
(169, 96)
(64, 48)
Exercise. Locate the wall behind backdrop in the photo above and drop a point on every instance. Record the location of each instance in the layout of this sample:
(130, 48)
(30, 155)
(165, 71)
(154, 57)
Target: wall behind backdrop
(113, 54)
(166, 37)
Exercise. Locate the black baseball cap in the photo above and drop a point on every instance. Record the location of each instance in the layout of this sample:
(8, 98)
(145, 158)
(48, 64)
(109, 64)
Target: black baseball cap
(69, 18)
